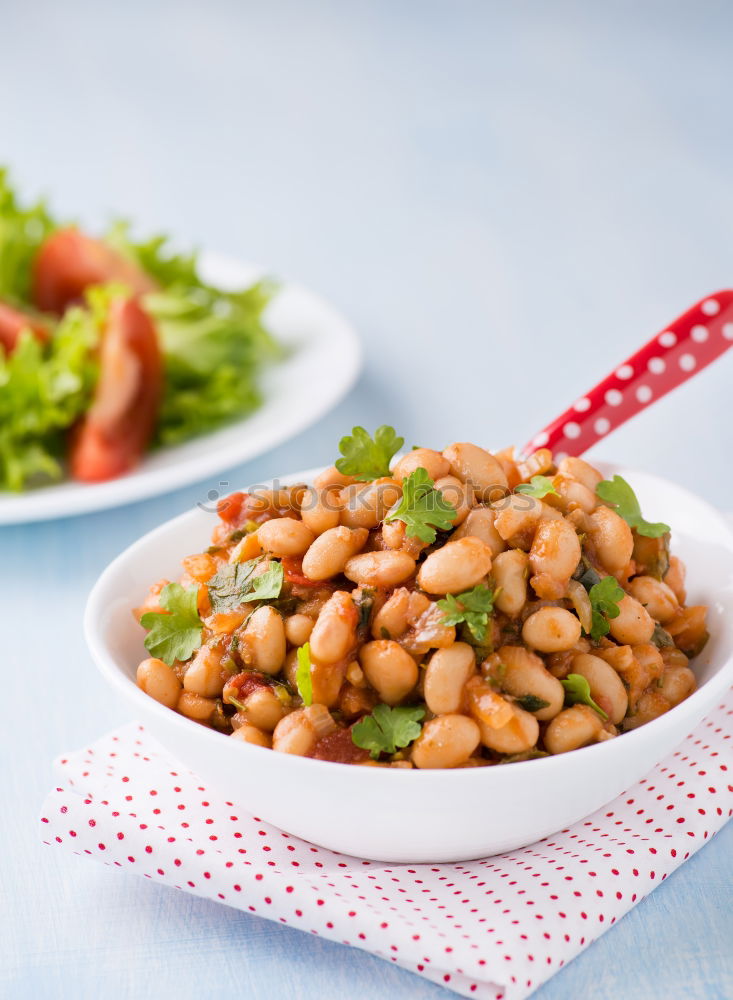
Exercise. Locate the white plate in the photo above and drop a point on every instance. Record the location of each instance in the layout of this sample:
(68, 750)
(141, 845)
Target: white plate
(419, 816)
(323, 365)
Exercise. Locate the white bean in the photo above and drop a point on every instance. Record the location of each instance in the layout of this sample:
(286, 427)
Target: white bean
(551, 630)
(383, 569)
(421, 458)
(606, 687)
(633, 625)
(264, 640)
(158, 680)
(446, 676)
(330, 552)
(478, 468)
(447, 741)
(457, 566)
(389, 669)
(284, 536)
(574, 727)
(510, 570)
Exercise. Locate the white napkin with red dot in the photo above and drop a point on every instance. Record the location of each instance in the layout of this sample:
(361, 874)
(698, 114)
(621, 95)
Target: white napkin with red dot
(496, 928)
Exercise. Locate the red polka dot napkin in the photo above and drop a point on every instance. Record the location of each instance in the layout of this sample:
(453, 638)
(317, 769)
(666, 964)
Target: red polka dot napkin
(496, 928)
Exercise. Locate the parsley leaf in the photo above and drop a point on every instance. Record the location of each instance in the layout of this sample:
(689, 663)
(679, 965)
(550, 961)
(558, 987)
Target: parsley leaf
(577, 692)
(365, 457)
(604, 598)
(422, 507)
(537, 487)
(303, 679)
(266, 586)
(472, 607)
(531, 703)
(236, 583)
(620, 495)
(387, 728)
(177, 634)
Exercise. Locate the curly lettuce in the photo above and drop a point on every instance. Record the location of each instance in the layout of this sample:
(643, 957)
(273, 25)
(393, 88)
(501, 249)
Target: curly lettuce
(44, 389)
(214, 345)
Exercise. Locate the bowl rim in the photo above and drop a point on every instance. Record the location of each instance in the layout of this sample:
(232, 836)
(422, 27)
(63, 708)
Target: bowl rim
(116, 675)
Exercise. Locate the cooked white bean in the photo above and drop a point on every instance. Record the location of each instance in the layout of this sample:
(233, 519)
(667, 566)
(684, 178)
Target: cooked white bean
(330, 552)
(251, 734)
(524, 673)
(158, 680)
(510, 571)
(634, 624)
(606, 687)
(365, 504)
(574, 727)
(553, 558)
(334, 634)
(611, 538)
(478, 468)
(392, 616)
(447, 741)
(298, 629)
(551, 630)
(195, 706)
(383, 569)
(203, 675)
(675, 578)
(517, 517)
(582, 471)
(446, 676)
(263, 709)
(320, 509)
(480, 524)
(457, 566)
(389, 669)
(331, 479)
(295, 734)
(284, 536)
(572, 494)
(264, 640)
(658, 598)
(458, 494)
(517, 735)
(421, 458)
(677, 683)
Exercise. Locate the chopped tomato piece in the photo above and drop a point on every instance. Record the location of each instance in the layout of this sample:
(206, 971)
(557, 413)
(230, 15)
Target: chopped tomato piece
(293, 570)
(111, 438)
(13, 322)
(69, 262)
(339, 748)
(230, 508)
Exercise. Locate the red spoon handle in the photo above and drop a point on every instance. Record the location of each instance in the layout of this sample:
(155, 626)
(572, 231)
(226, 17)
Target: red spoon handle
(681, 350)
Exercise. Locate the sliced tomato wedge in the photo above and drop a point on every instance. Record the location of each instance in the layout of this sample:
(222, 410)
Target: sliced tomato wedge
(13, 322)
(69, 262)
(112, 437)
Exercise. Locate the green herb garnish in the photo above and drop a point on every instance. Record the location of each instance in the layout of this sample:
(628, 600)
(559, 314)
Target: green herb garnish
(174, 635)
(604, 600)
(531, 703)
(422, 508)
(388, 729)
(365, 457)
(537, 487)
(617, 493)
(236, 584)
(577, 692)
(472, 607)
(303, 679)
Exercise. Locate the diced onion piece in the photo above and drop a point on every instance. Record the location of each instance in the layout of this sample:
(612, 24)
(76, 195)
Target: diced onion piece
(321, 720)
(581, 602)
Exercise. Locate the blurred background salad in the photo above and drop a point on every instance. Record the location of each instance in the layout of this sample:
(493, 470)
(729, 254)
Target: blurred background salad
(85, 381)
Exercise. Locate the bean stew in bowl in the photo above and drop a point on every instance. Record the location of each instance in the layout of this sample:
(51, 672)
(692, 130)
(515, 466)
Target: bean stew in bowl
(451, 609)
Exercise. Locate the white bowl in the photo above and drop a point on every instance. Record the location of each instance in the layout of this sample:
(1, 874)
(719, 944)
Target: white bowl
(407, 815)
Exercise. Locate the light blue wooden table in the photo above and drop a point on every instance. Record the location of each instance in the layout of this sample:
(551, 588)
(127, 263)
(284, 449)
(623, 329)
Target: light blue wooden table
(506, 202)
